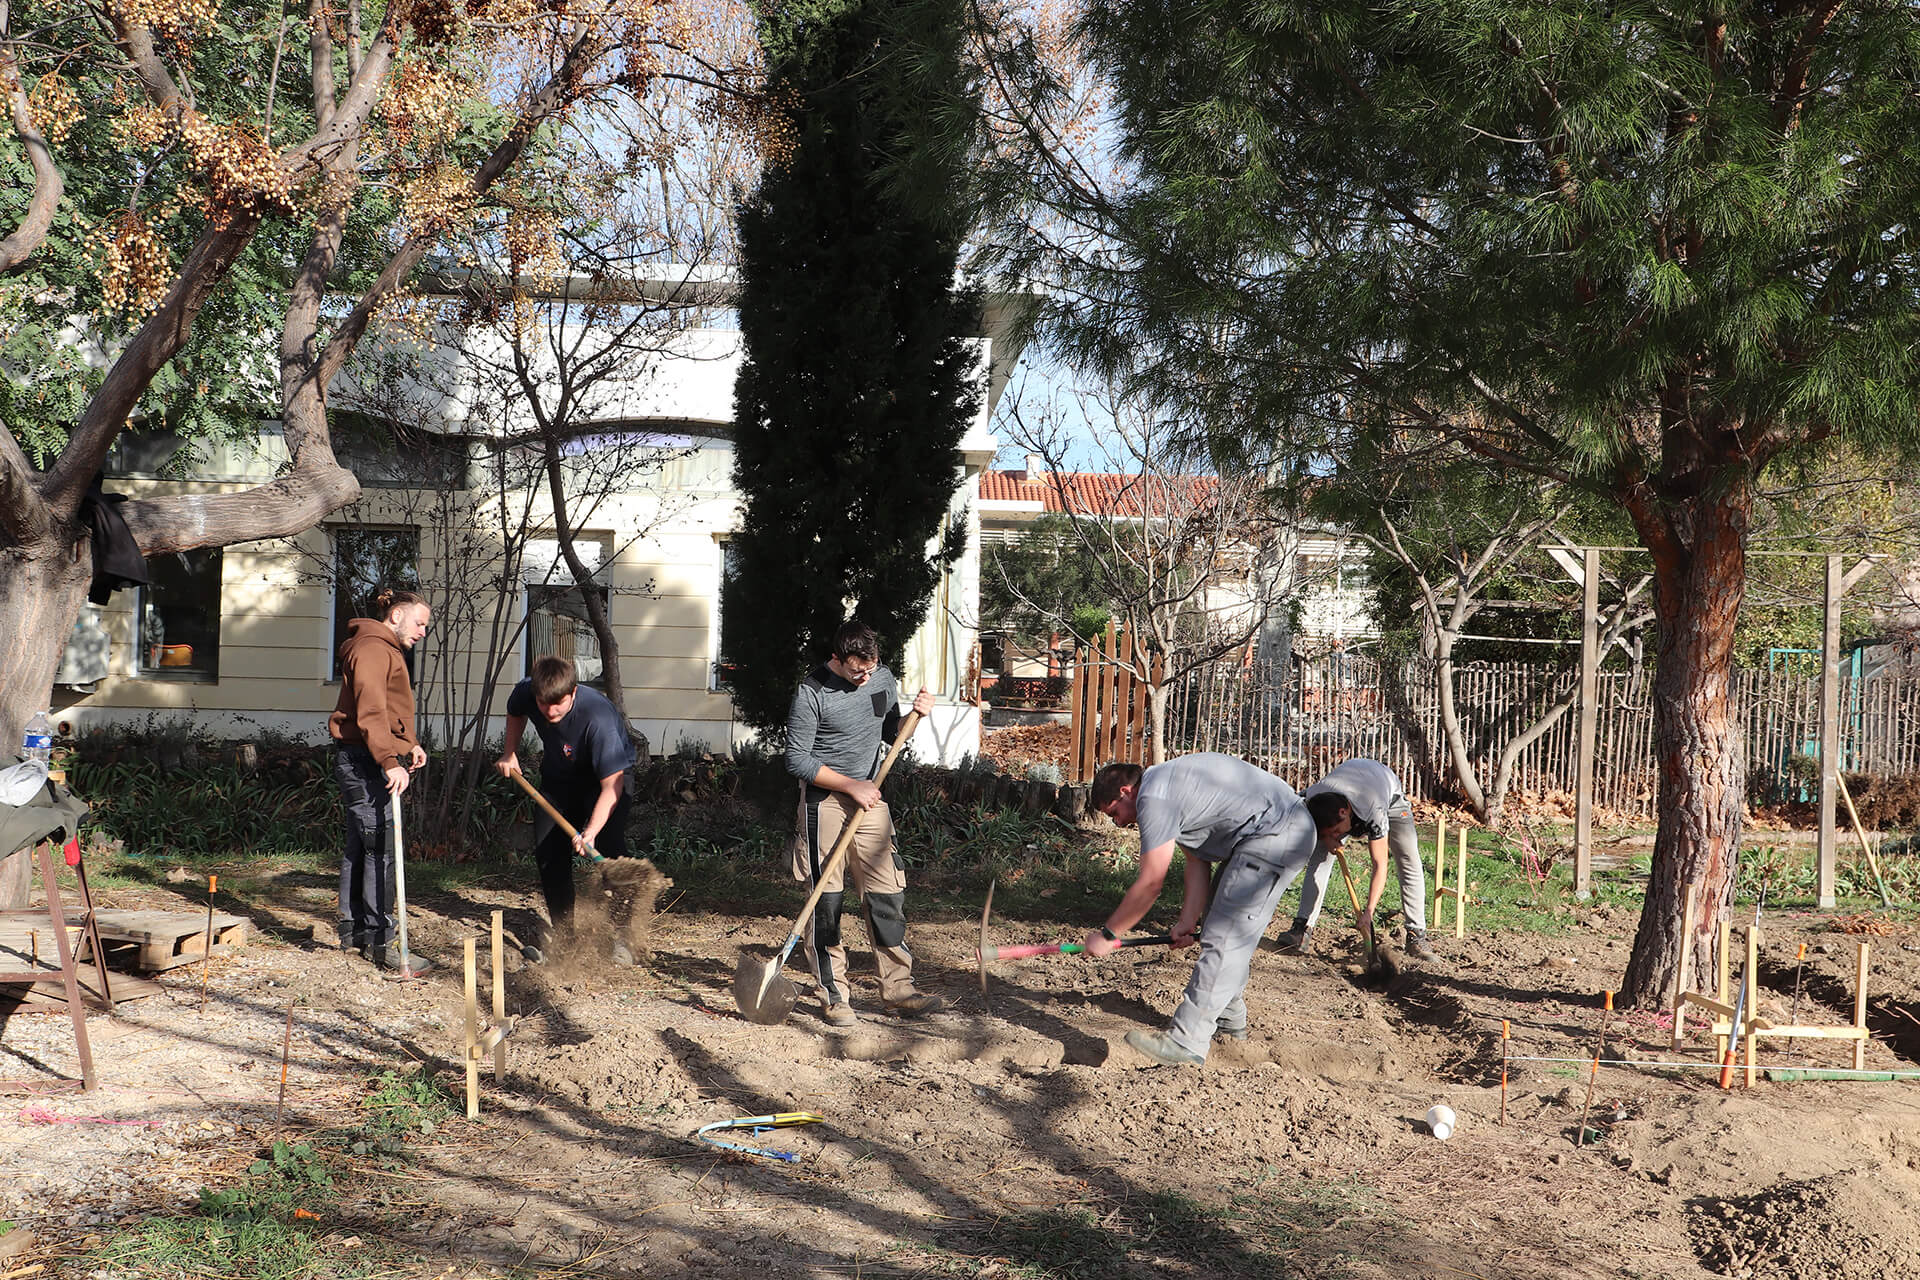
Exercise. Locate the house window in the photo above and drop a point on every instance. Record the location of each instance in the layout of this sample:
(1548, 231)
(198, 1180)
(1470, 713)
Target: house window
(557, 621)
(179, 612)
(365, 563)
(717, 670)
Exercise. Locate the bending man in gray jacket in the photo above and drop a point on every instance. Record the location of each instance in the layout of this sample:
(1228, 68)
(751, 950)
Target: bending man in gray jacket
(1365, 799)
(1222, 811)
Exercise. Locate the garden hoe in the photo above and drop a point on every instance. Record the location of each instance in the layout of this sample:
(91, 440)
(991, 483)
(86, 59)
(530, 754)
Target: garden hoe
(1382, 960)
(763, 996)
(1026, 950)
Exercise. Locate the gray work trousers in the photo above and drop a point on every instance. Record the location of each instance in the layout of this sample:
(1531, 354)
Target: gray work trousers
(1245, 894)
(1403, 845)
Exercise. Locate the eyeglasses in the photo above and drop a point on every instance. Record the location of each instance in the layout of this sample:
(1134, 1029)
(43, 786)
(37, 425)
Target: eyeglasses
(857, 671)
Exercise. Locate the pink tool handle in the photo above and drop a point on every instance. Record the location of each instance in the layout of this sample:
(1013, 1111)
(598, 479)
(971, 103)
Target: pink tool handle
(1027, 950)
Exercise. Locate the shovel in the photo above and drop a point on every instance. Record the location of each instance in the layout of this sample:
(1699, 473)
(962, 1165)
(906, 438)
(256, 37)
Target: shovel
(763, 996)
(1381, 957)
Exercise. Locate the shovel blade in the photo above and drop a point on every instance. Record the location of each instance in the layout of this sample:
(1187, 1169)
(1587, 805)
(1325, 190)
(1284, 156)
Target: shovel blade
(760, 992)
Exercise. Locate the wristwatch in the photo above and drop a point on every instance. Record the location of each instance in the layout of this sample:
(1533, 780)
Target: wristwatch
(1108, 934)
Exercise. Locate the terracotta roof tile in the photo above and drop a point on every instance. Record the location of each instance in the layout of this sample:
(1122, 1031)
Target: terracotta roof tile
(1097, 493)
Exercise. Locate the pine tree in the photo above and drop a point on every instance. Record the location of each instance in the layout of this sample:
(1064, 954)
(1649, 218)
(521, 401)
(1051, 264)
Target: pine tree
(855, 389)
(1648, 251)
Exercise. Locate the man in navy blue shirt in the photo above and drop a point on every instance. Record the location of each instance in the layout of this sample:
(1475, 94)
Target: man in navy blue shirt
(586, 753)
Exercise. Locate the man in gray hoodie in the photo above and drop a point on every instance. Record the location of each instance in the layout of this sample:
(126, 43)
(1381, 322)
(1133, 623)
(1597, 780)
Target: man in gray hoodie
(843, 716)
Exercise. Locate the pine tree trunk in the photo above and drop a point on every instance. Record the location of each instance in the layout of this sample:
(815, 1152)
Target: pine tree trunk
(41, 588)
(1702, 789)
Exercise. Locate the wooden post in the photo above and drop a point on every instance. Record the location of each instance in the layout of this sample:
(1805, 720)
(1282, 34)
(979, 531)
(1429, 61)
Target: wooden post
(1086, 702)
(1589, 725)
(499, 997)
(1860, 1008)
(1827, 870)
(473, 1033)
(1439, 870)
(1124, 727)
(1460, 890)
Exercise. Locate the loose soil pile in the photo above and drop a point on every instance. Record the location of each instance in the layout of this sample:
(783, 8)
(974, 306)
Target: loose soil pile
(1018, 1132)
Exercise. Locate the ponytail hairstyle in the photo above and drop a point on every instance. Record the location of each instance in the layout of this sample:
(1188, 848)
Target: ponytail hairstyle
(395, 598)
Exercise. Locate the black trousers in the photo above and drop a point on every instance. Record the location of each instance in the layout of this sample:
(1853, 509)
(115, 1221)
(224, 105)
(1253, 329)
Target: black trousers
(553, 851)
(366, 862)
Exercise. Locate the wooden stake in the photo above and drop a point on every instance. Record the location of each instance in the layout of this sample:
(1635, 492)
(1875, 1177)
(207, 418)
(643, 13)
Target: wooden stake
(1680, 986)
(1506, 1048)
(1750, 983)
(1860, 1009)
(1580, 1138)
(1460, 890)
(207, 960)
(1439, 871)
(473, 1033)
(499, 998)
(286, 1048)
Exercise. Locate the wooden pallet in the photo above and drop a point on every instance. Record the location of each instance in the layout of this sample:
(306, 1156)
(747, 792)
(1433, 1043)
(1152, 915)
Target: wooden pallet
(153, 940)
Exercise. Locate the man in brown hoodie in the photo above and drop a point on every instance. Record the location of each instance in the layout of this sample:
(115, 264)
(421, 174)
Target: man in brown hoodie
(373, 727)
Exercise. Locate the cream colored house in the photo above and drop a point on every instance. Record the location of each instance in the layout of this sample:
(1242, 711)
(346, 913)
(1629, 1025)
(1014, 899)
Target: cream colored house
(242, 638)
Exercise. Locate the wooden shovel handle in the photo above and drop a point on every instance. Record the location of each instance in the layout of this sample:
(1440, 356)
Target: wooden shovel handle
(845, 841)
(542, 801)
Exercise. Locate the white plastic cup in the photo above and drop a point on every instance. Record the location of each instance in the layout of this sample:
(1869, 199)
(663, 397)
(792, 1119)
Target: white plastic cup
(1440, 1120)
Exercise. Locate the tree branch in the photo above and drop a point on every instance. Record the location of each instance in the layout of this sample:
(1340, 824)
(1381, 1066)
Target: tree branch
(47, 182)
(551, 99)
(24, 517)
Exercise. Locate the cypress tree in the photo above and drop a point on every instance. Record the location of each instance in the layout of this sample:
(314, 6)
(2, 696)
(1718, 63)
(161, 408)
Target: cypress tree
(855, 388)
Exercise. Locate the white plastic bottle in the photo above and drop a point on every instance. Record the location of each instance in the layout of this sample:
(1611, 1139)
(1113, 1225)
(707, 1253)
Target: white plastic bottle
(37, 742)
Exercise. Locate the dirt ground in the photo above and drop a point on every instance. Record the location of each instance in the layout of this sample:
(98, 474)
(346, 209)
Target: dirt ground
(1024, 1140)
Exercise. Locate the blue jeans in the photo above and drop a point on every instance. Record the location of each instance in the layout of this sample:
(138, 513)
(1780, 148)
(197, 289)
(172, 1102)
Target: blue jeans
(366, 864)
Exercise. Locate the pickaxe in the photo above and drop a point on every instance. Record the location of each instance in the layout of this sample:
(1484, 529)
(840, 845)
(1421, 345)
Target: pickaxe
(1024, 951)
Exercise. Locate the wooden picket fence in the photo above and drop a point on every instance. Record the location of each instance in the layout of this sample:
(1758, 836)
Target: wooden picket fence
(1109, 705)
(1301, 718)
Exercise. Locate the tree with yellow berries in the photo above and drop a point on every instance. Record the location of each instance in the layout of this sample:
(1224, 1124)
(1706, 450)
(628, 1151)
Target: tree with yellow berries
(188, 180)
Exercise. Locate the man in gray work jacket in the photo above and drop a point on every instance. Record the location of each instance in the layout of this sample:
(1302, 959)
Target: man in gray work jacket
(1217, 809)
(843, 718)
(1364, 798)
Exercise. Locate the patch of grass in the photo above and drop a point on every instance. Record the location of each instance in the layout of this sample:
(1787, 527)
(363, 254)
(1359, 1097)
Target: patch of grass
(1253, 1233)
(274, 1223)
(269, 1226)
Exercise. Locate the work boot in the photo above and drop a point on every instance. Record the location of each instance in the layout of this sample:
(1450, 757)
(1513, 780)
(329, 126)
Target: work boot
(350, 939)
(1294, 940)
(417, 964)
(1160, 1046)
(839, 1015)
(1222, 1031)
(917, 1005)
(1417, 945)
(622, 954)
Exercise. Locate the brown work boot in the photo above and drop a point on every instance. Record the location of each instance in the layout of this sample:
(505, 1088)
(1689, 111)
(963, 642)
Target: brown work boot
(1417, 946)
(917, 1005)
(1294, 941)
(839, 1015)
